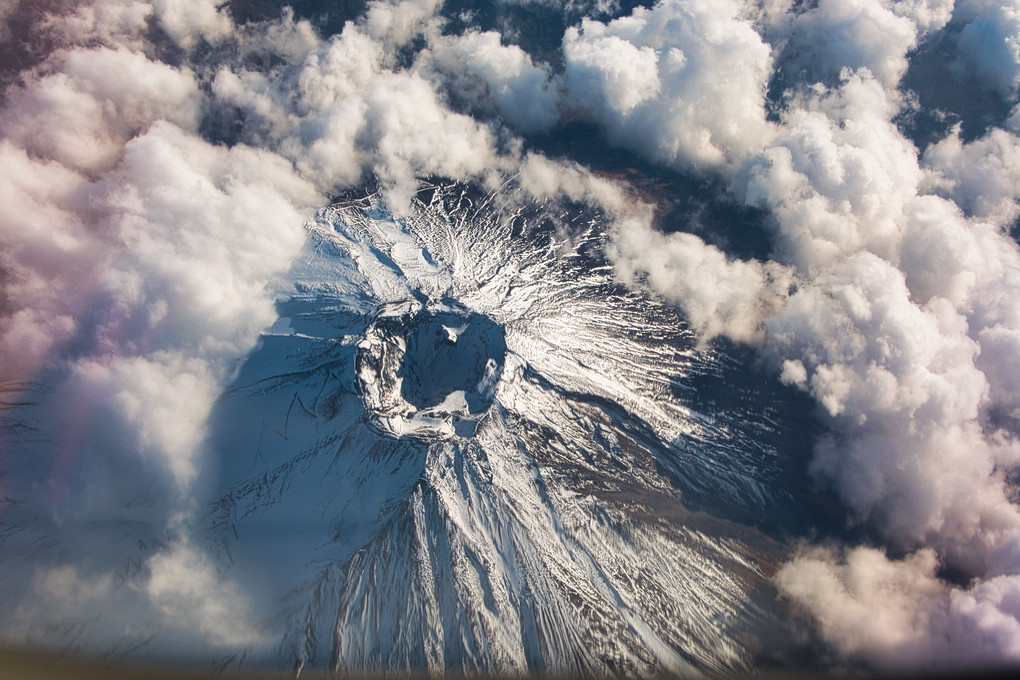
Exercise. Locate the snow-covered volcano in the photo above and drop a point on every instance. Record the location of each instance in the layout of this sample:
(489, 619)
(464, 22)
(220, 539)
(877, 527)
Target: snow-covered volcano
(736, 334)
(464, 447)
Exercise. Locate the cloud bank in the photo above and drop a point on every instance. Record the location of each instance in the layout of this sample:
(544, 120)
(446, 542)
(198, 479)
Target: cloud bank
(888, 299)
(682, 82)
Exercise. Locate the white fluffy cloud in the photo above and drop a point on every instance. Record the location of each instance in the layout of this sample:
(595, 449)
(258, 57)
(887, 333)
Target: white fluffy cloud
(837, 177)
(928, 15)
(188, 21)
(61, 595)
(610, 76)
(85, 104)
(136, 260)
(902, 614)
(682, 82)
(719, 296)
(177, 594)
(899, 324)
(543, 178)
(899, 380)
(45, 240)
(982, 176)
(500, 78)
(342, 112)
(854, 34)
(898, 329)
(103, 21)
(133, 295)
(989, 43)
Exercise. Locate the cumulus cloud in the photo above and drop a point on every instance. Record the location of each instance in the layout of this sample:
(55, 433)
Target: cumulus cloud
(104, 22)
(908, 453)
(133, 295)
(177, 594)
(683, 82)
(81, 107)
(989, 43)
(188, 21)
(44, 241)
(928, 15)
(901, 613)
(161, 402)
(982, 176)
(837, 177)
(853, 34)
(609, 75)
(543, 178)
(900, 382)
(897, 294)
(498, 78)
(971, 263)
(395, 22)
(289, 39)
(342, 112)
(132, 240)
(137, 257)
(719, 295)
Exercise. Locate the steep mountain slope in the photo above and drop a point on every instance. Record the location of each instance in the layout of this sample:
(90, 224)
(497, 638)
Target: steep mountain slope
(463, 448)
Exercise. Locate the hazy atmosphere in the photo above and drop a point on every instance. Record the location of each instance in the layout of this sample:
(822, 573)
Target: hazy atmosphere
(514, 336)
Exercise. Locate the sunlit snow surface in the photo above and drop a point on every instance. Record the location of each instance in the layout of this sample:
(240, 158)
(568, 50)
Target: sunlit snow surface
(462, 446)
